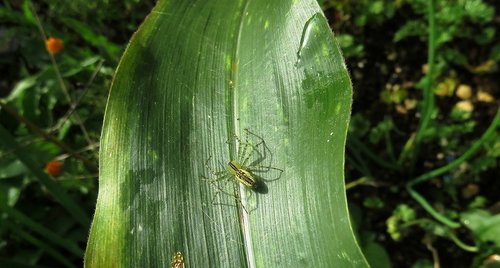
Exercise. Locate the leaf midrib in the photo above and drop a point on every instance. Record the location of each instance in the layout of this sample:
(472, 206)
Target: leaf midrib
(234, 124)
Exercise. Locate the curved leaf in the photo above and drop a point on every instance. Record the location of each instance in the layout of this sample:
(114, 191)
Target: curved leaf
(202, 83)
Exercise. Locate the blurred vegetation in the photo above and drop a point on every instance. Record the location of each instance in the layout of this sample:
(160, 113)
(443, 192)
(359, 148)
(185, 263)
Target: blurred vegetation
(51, 110)
(423, 147)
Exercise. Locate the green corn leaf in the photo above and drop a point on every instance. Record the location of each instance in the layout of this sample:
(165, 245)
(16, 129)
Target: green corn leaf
(204, 82)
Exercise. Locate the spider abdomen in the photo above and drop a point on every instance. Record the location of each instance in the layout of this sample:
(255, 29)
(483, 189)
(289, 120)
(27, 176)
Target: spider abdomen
(241, 175)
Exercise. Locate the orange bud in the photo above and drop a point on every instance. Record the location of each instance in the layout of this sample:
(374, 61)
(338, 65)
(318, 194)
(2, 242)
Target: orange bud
(54, 45)
(53, 167)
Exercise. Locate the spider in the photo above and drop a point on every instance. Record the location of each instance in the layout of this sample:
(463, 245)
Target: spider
(253, 158)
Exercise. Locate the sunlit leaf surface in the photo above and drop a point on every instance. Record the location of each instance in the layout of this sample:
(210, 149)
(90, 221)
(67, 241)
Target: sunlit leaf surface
(204, 82)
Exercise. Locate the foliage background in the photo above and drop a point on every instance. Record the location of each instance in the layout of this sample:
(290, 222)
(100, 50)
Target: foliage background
(386, 45)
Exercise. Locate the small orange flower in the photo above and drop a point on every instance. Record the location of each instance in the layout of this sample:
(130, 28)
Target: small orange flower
(54, 45)
(53, 167)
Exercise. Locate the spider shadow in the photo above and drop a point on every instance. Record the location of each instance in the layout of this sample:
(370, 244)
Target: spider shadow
(260, 186)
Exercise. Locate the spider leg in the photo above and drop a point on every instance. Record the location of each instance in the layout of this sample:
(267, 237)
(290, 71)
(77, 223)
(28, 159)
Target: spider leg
(263, 151)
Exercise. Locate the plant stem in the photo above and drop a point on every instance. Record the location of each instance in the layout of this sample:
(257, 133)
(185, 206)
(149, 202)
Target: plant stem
(357, 145)
(489, 133)
(59, 193)
(48, 136)
(357, 182)
(428, 207)
(62, 85)
(362, 164)
(461, 244)
(407, 149)
(388, 143)
(428, 101)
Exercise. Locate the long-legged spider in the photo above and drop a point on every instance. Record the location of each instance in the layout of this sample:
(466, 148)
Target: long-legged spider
(253, 159)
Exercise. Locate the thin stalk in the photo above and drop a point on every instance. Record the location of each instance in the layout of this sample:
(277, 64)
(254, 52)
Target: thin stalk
(428, 207)
(59, 193)
(488, 134)
(388, 144)
(450, 233)
(354, 163)
(357, 145)
(362, 164)
(60, 80)
(435, 255)
(73, 106)
(462, 244)
(407, 149)
(428, 101)
(357, 182)
(415, 222)
(48, 137)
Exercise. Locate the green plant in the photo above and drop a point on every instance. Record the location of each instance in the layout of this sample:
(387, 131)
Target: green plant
(439, 153)
(180, 106)
(384, 42)
(51, 108)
